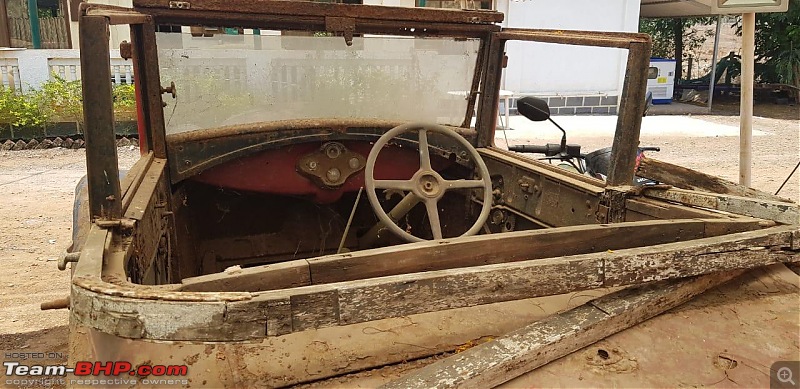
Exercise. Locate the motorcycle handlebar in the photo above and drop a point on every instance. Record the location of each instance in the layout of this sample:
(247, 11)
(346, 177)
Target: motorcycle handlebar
(549, 150)
(536, 149)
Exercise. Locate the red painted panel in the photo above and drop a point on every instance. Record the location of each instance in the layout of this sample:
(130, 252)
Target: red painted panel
(275, 171)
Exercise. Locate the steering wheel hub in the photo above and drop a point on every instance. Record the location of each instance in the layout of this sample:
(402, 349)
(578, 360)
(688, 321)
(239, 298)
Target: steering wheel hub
(429, 185)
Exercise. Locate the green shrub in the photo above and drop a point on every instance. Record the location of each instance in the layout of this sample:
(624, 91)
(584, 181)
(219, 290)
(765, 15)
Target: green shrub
(124, 97)
(61, 100)
(58, 100)
(20, 110)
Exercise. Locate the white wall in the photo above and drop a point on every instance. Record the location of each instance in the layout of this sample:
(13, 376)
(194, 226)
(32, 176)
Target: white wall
(118, 33)
(567, 70)
(33, 67)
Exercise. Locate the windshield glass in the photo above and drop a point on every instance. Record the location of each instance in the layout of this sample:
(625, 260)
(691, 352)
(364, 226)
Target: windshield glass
(226, 79)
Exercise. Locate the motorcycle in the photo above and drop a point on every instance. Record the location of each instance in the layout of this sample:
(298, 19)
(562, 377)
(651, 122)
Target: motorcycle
(569, 156)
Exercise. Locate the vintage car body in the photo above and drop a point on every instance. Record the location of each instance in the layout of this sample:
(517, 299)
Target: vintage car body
(235, 247)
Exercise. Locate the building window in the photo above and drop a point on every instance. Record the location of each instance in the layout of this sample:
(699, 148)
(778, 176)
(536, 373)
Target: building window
(168, 28)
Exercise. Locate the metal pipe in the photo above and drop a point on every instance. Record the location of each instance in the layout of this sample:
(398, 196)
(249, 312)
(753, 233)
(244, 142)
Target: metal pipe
(713, 81)
(33, 16)
(401, 209)
(746, 102)
(349, 221)
(61, 303)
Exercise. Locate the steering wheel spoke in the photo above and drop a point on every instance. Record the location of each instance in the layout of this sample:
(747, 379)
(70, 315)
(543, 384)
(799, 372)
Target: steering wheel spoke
(424, 153)
(406, 185)
(463, 184)
(432, 206)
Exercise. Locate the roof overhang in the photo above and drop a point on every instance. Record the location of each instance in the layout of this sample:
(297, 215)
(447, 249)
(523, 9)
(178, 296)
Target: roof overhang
(685, 8)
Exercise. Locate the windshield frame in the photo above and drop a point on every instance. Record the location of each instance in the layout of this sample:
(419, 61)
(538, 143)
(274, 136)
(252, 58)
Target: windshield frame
(344, 19)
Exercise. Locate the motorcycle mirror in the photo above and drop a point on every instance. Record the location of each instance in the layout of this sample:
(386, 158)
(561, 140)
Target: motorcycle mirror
(535, 109)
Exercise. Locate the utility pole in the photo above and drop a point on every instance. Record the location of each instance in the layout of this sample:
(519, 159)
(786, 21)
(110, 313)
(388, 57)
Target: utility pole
(746, 101)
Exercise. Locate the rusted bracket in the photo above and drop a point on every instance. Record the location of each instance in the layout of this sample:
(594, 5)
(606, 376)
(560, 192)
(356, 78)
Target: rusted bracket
(614, 201)
(344, 26)
(125, 50)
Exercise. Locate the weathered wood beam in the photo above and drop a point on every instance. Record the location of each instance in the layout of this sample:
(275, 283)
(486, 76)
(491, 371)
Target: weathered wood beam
(464, 252)
(781, 212)
(401, 295)
(269, 277)
(279, 312)
(102, 165)
(500, 360)
(686, 178)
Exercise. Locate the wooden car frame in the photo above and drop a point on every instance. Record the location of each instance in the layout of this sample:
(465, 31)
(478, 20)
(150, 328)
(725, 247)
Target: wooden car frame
(142, 291)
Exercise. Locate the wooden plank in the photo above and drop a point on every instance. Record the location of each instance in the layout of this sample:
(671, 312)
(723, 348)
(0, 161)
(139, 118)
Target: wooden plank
(466, 252)
(133, 179)
(314, 310)
(584, 38)
(374, 12)
(462, 252)
(465, 288)
(686, 178)
(115, 14)
(275, 276)
(498, 361)
(105, 199)
(5, 28)
(787, 213)
(624, 149)
(747, 250)
(502, 248)
(402, 295)
(148, 80)
(664, 210)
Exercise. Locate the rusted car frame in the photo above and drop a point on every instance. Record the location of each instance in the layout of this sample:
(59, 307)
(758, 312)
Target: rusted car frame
(141, 283)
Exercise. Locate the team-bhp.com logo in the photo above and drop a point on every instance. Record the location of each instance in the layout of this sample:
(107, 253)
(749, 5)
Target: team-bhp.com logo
(88, 373)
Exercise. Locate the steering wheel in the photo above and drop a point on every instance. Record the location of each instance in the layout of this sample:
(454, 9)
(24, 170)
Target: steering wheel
(426, 185)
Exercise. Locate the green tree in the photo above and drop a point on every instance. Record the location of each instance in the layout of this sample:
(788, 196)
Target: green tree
(778, 45)
(672, 37)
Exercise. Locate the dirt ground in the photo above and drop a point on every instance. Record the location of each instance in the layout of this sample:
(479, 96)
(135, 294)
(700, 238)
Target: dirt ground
(37, 188)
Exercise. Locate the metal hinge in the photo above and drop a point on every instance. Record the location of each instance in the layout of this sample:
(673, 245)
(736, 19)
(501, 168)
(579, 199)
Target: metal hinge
(180, 5)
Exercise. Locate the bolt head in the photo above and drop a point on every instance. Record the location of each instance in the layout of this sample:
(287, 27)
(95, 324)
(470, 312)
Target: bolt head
(354, 163)
(333, 174)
